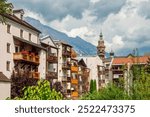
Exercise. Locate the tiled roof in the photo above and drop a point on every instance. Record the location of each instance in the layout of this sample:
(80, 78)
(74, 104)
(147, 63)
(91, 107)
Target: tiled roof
(22, 22)
(3, 78)
(125, 60)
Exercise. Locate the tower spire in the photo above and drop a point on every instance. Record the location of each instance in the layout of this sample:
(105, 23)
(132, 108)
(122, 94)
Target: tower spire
(101, 47)
(101, 35)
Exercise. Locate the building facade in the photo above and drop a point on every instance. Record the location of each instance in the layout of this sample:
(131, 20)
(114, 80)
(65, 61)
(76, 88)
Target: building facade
(51, 58)
(83, 77)
(20, 45)
(93, 63)
(64, 66)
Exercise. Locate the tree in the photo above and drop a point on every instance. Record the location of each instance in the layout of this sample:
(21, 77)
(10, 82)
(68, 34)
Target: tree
(40, 92)
(94, 86)
(5, 8)
(141, 86)
(91, 86)
(111, 92)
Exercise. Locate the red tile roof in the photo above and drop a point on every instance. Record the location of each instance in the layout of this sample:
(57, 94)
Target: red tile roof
(125, 60)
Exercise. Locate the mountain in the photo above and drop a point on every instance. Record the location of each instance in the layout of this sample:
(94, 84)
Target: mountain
(81, 46)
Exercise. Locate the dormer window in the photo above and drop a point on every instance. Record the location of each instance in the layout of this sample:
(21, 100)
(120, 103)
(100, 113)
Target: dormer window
(21, 33)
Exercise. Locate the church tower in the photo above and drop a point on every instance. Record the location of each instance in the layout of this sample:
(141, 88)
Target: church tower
(101, 47)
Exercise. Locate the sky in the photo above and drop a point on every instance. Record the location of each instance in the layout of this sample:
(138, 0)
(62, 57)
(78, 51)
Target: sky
(125, 24)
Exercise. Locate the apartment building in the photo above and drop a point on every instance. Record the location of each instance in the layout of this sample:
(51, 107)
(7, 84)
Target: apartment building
(51, 58)
(117, 67)
(64, 66)
(93, 63)
(74, 79)
(20, 46)
(83, 77)
(121, 66)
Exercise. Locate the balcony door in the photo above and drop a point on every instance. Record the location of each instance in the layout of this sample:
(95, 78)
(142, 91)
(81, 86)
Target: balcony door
(17, 48)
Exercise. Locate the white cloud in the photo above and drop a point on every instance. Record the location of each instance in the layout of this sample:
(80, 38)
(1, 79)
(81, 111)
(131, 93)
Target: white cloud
(77, 27)
(35, 16)
(117, 42)
(125, 24)
(130, 26)
(94, 1)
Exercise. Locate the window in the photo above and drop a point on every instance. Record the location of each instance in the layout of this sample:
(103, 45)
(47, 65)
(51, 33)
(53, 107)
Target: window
(21, 33)
(8, 47)
(8, 65)
(17, 48)
(29, 36)
(8, 28)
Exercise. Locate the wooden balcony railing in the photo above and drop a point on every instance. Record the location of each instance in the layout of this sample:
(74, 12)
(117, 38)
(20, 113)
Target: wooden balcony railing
(66, 79)
(26, 57)
(66, 66)
(28, 74)
(52, 58)
(74, 94)
(51, 75)
(74, 69)
(74, 81)
(36, 75)
(66, 53)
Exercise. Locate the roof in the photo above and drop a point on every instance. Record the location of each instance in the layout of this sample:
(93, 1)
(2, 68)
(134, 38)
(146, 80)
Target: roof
(51, 38)
(22, 22)
(134, 60)
(3, 78)
(82, 63)
(47, 45)
(62, 42)
(18, 10)
(29, 42)
(73, 53)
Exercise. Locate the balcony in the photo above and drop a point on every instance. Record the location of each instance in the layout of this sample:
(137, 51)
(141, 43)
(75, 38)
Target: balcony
(66, 53)
(66, 66)
(74, 81)
(66, 79)
(74, 94)
(74, 68)
(52, 58)
(117, 71)
(28, 74)
(36, 75)
(51, 75)
(31, 58)
(101, 72)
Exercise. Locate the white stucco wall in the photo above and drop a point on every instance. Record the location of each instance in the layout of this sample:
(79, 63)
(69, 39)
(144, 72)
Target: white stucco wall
(92, 62)
(42, 66)
(48, 41)
(4, 90)
(8, 38)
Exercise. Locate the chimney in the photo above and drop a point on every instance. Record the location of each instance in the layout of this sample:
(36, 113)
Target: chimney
(19, 13)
